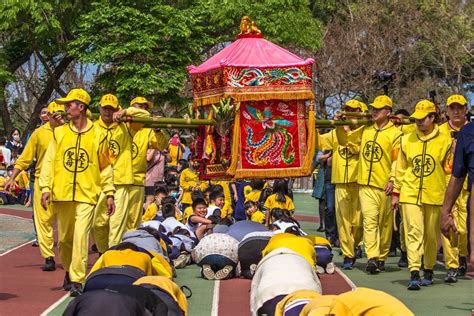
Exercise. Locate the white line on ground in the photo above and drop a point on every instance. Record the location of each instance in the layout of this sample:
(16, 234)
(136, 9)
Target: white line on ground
(346, 278)
(17, 247)
(215, 298)
(46, 312)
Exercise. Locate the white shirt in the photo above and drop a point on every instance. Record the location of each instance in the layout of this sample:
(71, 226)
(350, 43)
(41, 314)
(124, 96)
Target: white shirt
(7, 155)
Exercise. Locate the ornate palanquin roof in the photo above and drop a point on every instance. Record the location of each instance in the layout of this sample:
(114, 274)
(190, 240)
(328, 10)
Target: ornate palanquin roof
(252, 69)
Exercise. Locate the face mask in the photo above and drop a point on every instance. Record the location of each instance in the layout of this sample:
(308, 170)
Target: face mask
(16, 138)
(174, 141)
(174, 195)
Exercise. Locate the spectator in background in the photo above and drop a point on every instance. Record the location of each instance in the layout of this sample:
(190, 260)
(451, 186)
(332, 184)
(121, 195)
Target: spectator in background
(44, 115)
(175, 149)
(14, 143)
(186, 149)
(5, 153)
(155, 169)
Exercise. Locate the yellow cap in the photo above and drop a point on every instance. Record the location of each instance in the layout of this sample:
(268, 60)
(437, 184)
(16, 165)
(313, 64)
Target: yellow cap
(109, 100)
(423, 108)
(382, 101)
(80, 95)
(364, 107)
(54, 107)
(353, 103)
(141, 100)
(456, 98)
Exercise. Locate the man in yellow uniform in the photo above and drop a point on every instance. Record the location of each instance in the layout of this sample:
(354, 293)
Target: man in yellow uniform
(108, 230)
(76, 169)
(144, 139)
(420, 183)
(344, 176)
(455, 254)
(379, 147)
(35, 149)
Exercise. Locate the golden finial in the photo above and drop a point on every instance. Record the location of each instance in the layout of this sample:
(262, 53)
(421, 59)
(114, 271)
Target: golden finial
(248, 26)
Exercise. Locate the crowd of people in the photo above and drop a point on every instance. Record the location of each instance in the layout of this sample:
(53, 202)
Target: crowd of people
(136, 193)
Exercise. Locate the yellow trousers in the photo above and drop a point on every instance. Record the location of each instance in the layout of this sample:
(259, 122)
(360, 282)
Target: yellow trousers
(108, 230)
(348, 217)
(136, 196)
(44, 224)
(421, 232)
(459, 213)
(377, 218)
(74, 224)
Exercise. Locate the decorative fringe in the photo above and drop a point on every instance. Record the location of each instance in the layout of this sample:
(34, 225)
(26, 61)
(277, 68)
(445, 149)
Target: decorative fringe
(235, 150)
(306, 167)
(254, 96)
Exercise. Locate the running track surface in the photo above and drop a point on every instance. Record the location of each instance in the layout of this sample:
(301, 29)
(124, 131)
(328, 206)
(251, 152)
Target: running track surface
(26, 290)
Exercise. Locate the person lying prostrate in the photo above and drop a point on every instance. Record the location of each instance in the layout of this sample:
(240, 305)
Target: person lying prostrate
(167, 286)
(197, 222)
(361, 301)
(293, 303)
(283, 222)
(171, 225)
(217, 255)
(144, 239)
(242, 228)
(279, 273)
(250, 251)
(301, 245)
(128, 254)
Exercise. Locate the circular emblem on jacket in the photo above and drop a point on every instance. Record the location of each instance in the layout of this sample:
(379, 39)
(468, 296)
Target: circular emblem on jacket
(344, 152)
(423, 168)
(114, 147)
(134, 150)
(75, 160)
(372, 151)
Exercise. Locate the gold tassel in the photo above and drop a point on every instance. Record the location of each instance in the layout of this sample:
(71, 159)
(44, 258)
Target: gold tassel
(235, 150)
(311, 141)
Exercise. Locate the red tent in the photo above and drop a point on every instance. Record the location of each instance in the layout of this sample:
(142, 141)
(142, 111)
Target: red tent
(273, 134)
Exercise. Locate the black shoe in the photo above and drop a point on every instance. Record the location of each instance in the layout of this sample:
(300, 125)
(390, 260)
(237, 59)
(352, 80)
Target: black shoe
(452, 276)
(403, 262)
(414, 284)
(462, 266)
(372, 266)
(321, 229)
(35, 243)
(67, 282)
(348, 263)
(392, 253)
(76, 289)
(359, 253)
(381, 265)
(427, 278)
(49, 264)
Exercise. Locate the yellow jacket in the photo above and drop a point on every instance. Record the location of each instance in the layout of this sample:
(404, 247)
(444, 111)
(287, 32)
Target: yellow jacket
(150, 212)
(169, 286)
(143, 140)
(272, 203)
(23, 180)
(227, 208)
(176, 153)
(345, 159)
(408, 128)
(35, 149)
(151, 266)
(378, 150)
(300, 245)
(253, 196)
(448, 129)
(77, 166)
(187, 181)
(120, 144)
(421, 167)
(258, 217)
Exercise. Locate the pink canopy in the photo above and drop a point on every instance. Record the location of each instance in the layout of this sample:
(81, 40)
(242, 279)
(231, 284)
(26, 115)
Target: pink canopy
(252, 69)
(251, 51)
